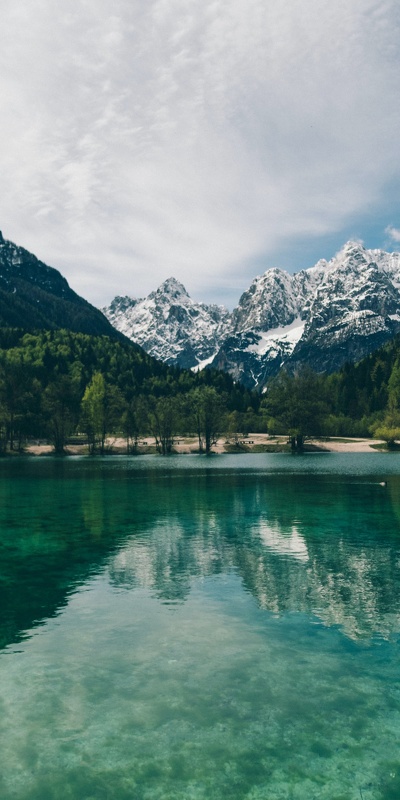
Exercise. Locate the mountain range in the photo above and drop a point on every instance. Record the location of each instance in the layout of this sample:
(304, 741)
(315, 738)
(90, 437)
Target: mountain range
(336, 311)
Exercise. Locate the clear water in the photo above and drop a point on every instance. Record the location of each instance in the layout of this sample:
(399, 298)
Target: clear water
(192, 628)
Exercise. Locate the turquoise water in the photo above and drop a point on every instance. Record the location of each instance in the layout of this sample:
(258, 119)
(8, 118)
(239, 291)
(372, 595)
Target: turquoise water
(192, 628)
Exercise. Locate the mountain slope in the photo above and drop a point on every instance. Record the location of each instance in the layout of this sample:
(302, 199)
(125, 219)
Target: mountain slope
(337, 311)
(34, 296)
(169, 325)
(355, 309)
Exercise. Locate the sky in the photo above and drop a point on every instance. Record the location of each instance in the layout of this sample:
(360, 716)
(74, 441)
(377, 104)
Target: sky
(202, 139)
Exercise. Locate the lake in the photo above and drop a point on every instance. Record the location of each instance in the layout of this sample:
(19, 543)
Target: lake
(198, 628)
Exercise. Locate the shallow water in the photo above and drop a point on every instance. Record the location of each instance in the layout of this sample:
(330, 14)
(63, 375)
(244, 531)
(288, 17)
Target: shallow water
(192, 628)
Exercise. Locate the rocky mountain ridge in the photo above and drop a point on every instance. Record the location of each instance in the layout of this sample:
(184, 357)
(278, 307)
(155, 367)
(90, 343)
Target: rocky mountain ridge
(336, 311)
(169, 325)
(34, 296)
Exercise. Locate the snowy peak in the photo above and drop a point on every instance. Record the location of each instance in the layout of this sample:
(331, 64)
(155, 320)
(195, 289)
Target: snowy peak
(122, 304)
(170, 325)
(335, 311)
(270, 302)
(353, 310)
(171, 289)
(352, 252)
(356, 280)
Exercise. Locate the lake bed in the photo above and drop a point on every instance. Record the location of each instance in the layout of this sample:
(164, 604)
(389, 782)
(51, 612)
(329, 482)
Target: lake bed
(190, 628)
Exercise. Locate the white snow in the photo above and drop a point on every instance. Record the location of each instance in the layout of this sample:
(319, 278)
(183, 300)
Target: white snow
(289, 335)
(203, 364)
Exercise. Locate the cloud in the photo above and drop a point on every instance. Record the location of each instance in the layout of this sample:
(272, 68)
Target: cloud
(394, 233)
(192, 137)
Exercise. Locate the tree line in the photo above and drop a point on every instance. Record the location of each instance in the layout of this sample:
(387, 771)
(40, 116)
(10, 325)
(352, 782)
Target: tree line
(55, 385)
(361, 399)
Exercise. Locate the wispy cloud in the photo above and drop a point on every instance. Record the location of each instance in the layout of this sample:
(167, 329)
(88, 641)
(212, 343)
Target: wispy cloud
(394, 233)
(190, 137)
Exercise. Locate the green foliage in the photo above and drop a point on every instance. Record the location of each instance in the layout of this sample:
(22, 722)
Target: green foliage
(388, 428)
(60, 405)
(101, 410)
(56, 381)
(134, 422)
(297, 404)
(93, 418)
(164, 422)
(365, 397)
(358, 400)
(394, 386)
(19, 394)
(390, 434)
(207, 409)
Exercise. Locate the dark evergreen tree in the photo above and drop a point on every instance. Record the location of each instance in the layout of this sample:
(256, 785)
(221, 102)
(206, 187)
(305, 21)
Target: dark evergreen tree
(297, 403)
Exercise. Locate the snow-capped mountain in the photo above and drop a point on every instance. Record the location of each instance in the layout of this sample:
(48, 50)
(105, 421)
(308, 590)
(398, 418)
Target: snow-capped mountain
(169, 325)
(337, 311)
(355, 308)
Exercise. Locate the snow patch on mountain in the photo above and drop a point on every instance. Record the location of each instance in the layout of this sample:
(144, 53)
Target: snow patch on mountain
(203, 364)
(276, 337)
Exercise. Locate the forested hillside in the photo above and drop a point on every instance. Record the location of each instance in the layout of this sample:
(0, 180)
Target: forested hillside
(60, 384)
(360, 400)
(34, 296)
(55, 383)
(363, 389)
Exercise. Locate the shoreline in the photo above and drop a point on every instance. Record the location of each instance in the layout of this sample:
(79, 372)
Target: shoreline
(253, 443)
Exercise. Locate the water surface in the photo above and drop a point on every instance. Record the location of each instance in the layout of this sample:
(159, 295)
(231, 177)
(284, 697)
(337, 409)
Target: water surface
(192, 628)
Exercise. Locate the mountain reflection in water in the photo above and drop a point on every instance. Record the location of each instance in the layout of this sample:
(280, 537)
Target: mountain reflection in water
(327, 546)
(340, 573)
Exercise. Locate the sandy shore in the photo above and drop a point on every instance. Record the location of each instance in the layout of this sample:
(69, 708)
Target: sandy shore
(256, 442)
(349, 445)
